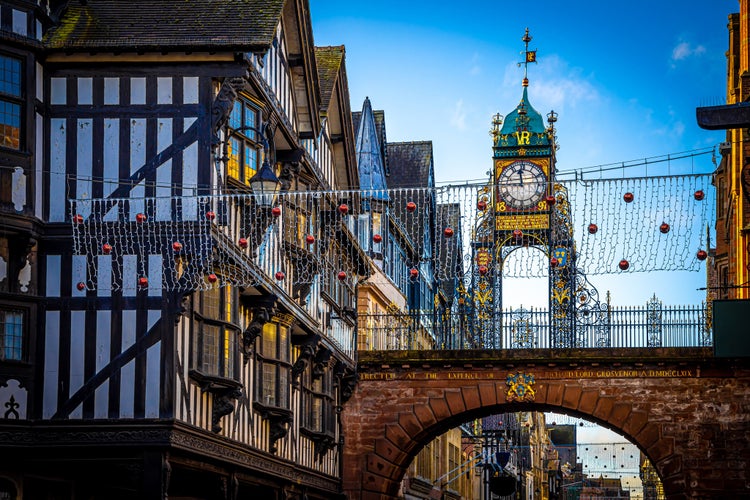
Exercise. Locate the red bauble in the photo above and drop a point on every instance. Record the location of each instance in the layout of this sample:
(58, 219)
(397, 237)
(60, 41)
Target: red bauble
(517, 233)
(377, 238)
(106, 249)
(593, 228)
(276, 211)
(341, 275)
(210, 215)
(628, 197)
(279, 276)
(701, 255)
(550, 200)
(448, 232)
(177, 246)
(78, 219)
(139, 217)
(242, 242)
(414, 272)
(212, 278)
(411, 206)
(81, 286)
(483, 270)
(699, 195)
(664, 228)
(624, 264)
(309, 239)
(554, 262)
(344, 209)
(482, 205)
(143, 282)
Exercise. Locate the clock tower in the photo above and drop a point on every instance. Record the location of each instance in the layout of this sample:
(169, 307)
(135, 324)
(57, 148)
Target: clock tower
(523, 208)
(523, 157)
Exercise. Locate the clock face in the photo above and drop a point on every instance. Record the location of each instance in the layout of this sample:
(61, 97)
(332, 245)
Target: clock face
(522, 184)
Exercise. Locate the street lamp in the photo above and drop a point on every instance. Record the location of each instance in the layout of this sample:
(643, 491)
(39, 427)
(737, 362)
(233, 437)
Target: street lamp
(265, 185)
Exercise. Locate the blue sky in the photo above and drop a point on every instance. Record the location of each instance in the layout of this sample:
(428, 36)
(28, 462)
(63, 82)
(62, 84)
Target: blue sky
(624, 77)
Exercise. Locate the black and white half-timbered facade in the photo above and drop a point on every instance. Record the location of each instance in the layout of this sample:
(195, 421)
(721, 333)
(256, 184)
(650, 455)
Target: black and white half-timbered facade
(167, 328)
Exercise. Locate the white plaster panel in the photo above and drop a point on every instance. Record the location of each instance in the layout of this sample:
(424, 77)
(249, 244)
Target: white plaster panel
(51, 363)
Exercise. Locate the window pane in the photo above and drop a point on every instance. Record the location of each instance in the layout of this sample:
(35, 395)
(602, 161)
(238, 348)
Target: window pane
(210, 351)
(251, 162)
(251, 120)
(236, 115)
(269, 340)
(228, 361)
(233, 155)
(283, 343)
(10, 76)
(211, 301)
(316, 417)
(10, 124)
(11, 325)
(269, 384)
(283, 399)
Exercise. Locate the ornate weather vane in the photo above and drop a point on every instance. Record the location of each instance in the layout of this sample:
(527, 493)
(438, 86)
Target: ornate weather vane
(529, 57)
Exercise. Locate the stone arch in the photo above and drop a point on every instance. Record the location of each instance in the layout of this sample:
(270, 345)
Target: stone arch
(389, 420)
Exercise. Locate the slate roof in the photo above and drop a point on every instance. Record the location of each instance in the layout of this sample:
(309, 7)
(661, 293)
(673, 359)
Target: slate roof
(410, 164)
(328, 60)
(379, 116)
(369, 154)
(127, 25)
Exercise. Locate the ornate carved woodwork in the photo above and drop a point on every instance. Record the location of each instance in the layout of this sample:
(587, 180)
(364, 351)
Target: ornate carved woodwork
(308, 351)
(262, 314)
(222, 106)
(225, 392)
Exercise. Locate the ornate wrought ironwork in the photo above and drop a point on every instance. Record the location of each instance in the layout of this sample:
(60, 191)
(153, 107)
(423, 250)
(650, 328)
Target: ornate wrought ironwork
(654, 325)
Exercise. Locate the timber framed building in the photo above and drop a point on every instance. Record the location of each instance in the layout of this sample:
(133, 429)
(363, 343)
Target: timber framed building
(134, 391)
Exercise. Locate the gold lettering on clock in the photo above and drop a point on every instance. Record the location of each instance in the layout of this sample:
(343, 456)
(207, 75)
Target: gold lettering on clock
(523, 137)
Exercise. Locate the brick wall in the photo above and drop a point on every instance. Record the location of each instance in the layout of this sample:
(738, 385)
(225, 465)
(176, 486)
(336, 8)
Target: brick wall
(691, 417)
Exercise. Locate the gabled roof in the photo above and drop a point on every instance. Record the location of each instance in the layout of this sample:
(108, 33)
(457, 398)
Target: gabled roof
(112, 25)
(369, 156)
(410, 164)
(328, 60)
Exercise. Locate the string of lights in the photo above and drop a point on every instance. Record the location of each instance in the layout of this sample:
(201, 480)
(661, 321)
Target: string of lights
(197, 241)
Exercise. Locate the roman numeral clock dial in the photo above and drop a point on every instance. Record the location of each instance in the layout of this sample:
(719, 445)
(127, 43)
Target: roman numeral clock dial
(522, 185)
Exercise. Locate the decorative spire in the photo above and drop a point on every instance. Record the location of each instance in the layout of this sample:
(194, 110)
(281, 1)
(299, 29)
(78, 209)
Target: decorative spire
(529, 57)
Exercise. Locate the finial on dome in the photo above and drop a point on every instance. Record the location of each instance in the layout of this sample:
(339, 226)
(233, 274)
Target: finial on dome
(529, 57)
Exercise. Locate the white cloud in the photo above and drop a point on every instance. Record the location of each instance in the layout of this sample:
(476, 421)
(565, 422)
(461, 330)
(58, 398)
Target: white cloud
(554, 85)
(685, 50)
(458, 119)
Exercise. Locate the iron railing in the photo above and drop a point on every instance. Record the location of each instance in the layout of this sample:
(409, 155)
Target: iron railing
(616, 327)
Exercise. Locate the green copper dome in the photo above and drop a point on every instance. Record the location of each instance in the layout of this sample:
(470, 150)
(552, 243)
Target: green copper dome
(523, 129)
(524, 117)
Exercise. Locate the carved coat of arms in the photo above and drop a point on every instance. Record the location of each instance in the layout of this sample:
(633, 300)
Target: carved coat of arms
(520, 387)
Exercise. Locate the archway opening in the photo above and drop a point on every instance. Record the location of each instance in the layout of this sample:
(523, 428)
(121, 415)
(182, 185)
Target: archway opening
(530, 455)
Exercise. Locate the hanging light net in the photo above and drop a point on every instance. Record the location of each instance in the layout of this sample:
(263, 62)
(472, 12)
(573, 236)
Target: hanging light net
(197, 242)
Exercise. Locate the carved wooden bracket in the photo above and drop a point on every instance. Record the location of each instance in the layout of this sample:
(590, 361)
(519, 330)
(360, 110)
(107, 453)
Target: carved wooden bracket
(262, 314)
(222, 106)
(225, 391)
(322, 358)
(308, 350)
(278, 421)
(347, 380)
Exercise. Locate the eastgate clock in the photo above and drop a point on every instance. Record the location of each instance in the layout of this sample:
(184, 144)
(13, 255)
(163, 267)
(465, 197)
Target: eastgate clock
(522, 184)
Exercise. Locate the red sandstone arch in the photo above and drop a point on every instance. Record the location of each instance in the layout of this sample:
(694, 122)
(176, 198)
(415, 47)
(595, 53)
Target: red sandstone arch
(694, 428)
